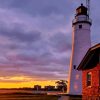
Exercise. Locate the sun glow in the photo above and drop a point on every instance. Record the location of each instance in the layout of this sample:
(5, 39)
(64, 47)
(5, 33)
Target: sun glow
(20, 82)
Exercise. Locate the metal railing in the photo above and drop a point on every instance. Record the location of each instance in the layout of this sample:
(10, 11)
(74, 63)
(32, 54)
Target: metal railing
(86, 19)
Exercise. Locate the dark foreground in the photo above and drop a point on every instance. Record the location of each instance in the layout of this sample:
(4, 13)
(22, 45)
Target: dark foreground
(26, 96)
(71, 97)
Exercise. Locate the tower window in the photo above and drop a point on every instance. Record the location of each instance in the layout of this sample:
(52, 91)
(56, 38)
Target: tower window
(80, 26)
(74, 66)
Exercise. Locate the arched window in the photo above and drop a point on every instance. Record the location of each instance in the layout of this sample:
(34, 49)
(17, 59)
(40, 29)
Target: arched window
(89, 78)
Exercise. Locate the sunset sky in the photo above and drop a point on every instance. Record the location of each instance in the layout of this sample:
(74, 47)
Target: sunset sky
(35, 40)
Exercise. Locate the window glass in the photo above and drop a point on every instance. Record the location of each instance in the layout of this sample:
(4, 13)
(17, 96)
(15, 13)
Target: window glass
(80, 10)
(89, 76)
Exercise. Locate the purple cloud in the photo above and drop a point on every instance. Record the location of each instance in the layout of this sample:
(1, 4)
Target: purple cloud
(35, 37)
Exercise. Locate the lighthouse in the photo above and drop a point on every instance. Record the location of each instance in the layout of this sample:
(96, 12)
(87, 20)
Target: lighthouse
(81, 42)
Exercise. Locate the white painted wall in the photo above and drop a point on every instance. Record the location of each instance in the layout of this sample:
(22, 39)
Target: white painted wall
(81, 42)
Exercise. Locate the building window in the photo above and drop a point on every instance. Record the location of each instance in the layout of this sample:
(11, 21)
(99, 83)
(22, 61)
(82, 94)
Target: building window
(89, 78)
(99, 77)
(80, 26)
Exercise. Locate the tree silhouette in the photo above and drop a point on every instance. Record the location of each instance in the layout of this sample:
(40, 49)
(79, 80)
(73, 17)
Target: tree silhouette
(62, 85)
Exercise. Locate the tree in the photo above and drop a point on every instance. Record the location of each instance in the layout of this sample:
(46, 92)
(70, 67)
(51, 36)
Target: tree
(62, 85)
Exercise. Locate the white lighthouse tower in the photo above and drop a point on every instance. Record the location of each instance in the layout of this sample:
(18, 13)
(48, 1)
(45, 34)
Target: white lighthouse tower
(81, 42)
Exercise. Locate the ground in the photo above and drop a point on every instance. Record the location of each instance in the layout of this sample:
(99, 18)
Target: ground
(24, 96)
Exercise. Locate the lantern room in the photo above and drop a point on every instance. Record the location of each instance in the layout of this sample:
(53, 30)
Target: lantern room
(82, 10)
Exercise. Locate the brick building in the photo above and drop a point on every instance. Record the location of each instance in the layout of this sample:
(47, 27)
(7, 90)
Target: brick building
(90, 67)
(37, 87)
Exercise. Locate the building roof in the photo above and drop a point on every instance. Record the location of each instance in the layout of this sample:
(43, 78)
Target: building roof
(91, 59)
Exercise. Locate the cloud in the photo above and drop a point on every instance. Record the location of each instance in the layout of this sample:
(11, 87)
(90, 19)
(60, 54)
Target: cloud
(35, 38)
(38, 7)
(20, 35)
(60, 43)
